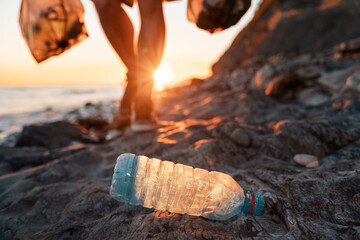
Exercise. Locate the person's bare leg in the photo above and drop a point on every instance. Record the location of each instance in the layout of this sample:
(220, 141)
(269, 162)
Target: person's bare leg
(120, 33)
(150, 50)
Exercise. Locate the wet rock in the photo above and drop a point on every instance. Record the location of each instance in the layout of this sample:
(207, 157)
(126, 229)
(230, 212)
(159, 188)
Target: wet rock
(241, 137)
(318, 137)
(10, 140)
(305, 159)
(335, 81)
(19, 157)
(53, 135)
(283, 76)
(94, 123)
(312, 96)
(95, 115)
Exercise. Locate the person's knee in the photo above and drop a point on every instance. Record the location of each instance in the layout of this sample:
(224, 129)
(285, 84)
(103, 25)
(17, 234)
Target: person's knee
(103, 6)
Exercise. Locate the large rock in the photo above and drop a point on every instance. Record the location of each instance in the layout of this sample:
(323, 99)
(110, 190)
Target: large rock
(287, 28)
(19, 157)
(53, 135)
(280, 77)
(335, 81)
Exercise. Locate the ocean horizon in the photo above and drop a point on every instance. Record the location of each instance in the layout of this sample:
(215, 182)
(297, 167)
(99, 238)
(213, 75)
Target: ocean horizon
(19, 100)
(21, 106)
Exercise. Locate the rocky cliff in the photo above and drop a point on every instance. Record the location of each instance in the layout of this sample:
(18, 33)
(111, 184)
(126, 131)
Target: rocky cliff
(287, 28)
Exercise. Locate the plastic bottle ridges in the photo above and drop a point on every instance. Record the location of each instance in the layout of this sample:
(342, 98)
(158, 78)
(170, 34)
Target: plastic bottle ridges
(178, 188)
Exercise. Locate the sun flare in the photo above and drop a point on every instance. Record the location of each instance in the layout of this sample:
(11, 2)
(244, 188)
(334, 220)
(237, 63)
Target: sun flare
(163, 76)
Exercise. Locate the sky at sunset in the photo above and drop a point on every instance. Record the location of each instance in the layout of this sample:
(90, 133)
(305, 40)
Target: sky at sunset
(189, 51)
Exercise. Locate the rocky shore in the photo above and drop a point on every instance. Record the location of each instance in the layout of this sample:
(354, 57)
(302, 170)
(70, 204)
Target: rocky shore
(286, 127)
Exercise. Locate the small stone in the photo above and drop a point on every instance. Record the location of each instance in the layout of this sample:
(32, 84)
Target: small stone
(238, 73)
(305, 159)
(336, 80)
(280, 84)
(239, 78)
(313, 164)
(312, 97)
(354, 81)
(112, 134)
(263, 77)
(241, 137)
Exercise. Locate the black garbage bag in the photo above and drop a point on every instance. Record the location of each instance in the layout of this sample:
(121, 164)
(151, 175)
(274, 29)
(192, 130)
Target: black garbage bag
(216, 15)
(50, 27)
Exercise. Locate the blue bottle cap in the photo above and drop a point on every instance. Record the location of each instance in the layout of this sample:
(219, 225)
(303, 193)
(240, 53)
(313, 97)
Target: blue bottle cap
(253, 204)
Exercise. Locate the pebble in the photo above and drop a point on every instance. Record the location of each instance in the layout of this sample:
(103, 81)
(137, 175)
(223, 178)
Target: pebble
(112, 134)
(336, 80)
(312, 96)
(313, 164)
(263, 77)
(307, 160)
(241, 137)
(354, 81)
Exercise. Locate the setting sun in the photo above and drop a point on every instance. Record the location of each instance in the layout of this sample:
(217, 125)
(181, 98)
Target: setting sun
(163, 76)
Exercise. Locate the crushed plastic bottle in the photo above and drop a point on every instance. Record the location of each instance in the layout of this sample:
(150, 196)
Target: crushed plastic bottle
(178, 188)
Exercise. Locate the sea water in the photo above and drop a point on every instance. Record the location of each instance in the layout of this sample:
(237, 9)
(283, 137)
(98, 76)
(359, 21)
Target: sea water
(26, 105)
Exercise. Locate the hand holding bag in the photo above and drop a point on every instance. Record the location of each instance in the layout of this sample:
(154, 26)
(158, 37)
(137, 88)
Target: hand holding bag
(50, 27)
(216, 15)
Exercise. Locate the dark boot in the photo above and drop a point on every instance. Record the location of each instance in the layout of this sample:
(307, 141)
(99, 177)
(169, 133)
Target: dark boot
(122, 118)
(144, 119)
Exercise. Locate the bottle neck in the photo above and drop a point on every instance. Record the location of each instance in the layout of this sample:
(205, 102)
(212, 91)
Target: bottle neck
(252, 204)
